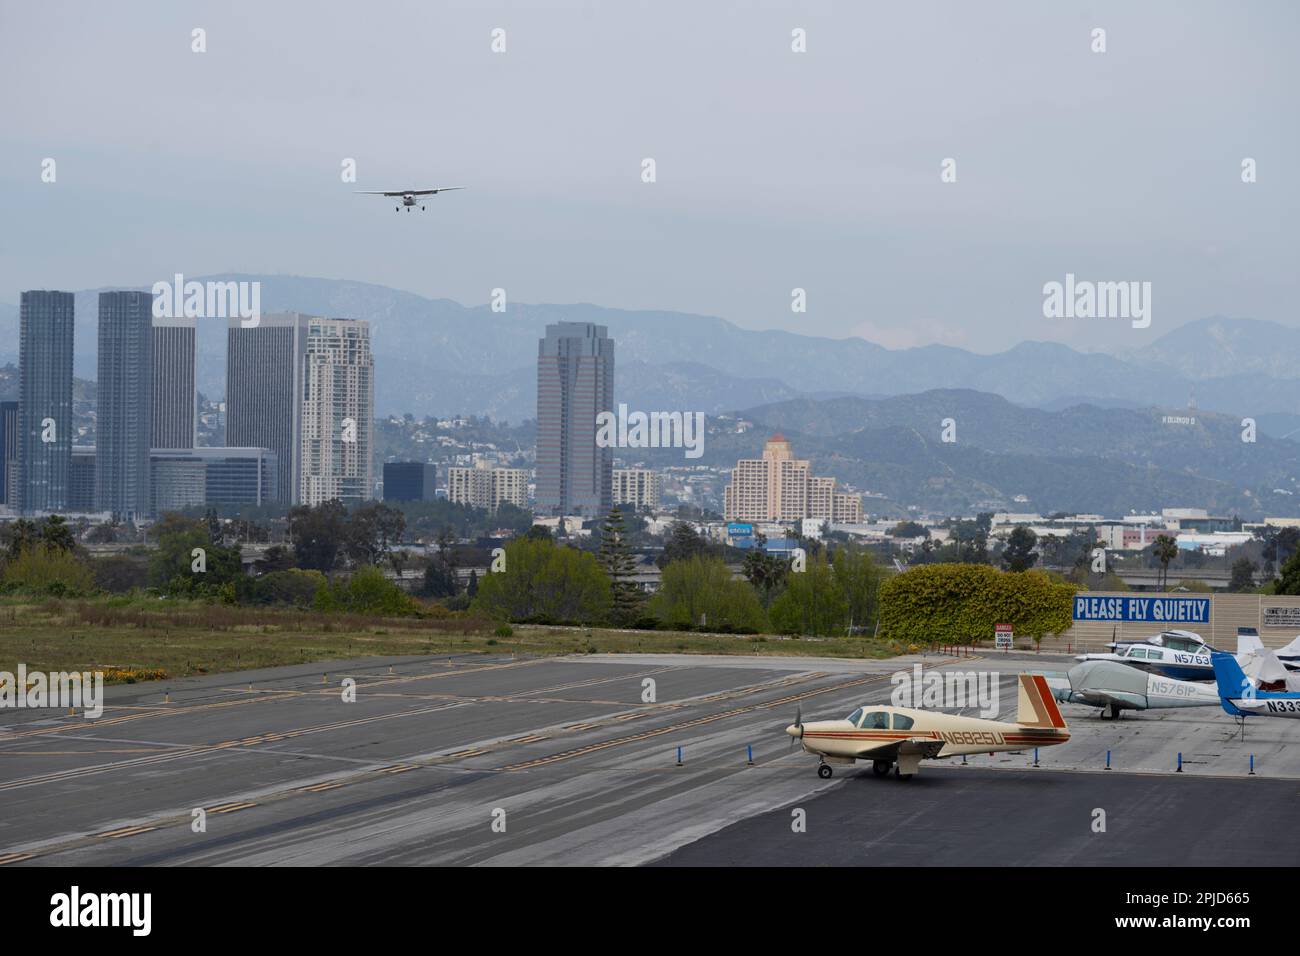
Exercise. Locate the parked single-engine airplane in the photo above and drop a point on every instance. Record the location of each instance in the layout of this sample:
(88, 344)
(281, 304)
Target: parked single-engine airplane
(1241, 698)
(901, 737)
(408, 195)
(1115, 686)
(1181, 655)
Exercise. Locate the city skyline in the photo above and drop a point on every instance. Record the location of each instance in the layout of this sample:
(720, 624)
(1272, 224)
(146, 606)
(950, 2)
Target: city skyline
(776, 170)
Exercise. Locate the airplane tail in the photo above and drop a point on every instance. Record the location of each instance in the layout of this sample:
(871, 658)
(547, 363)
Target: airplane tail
(1232, 681)
(1036, 705)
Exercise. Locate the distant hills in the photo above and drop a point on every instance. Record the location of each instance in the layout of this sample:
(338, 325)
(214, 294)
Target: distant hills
(440, 357)
(1082, 458)
(1067, 430)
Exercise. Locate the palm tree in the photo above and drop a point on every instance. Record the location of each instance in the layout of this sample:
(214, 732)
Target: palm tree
(1166, 549)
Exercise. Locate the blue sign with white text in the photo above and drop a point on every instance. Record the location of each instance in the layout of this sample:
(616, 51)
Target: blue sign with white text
(736, 529)
(1147, 610)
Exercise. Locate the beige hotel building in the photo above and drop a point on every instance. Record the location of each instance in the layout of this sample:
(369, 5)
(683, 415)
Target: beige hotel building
(780, 487)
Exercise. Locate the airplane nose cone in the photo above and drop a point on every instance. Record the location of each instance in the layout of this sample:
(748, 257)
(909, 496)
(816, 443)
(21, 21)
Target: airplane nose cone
(794, 730)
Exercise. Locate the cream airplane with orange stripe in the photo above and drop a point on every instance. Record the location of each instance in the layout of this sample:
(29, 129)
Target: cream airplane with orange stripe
(901, 737)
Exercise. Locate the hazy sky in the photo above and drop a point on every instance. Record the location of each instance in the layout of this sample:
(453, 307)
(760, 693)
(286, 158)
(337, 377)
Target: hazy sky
(775, 169)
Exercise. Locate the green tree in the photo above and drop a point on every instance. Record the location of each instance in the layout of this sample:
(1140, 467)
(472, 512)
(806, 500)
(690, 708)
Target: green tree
(765, 572)
(1165, 550)
(546, 583)
(813, 602)
(616, 558)
(858, 578)
(699, 592)
(318, 534)
(1288, 581)
(365, 591)
(1243, 575)
(47, 569)
(1019, 552)
(963, 602)
(683, 542)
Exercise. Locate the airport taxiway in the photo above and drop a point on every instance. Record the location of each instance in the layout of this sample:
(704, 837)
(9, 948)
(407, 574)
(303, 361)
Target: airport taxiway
(491, 760)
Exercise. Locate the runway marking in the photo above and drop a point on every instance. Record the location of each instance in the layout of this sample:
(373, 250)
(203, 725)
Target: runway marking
(14, 858)
(229, 807)
(319, 787)
(205, 749)
(685, 725)
(124, 832)
(530, 738)
(398, 768)
(471, 752)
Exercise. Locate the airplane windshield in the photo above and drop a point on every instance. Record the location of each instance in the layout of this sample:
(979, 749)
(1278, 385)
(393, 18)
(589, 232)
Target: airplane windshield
(853, 717)
(876, 720)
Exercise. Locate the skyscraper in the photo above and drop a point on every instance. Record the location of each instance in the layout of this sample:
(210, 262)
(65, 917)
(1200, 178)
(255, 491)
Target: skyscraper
(575, 383)
(338, 413)
(9, 452)
(45, 400)
(124, 425)
(174, 405)
(264, 389)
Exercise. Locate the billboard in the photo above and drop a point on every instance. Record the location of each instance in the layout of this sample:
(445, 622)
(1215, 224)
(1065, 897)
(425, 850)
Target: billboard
(737, 529)
(1146, 610)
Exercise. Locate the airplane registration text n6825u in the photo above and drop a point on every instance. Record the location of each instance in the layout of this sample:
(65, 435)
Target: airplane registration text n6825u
(899, 738)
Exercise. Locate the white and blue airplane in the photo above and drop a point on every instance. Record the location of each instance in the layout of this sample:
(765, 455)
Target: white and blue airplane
(1241, 698)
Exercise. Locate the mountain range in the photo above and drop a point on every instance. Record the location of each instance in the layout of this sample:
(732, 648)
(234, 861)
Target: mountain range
(440, 357)
(1039, 427)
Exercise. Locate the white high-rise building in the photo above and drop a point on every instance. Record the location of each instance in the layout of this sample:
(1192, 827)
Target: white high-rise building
(639, 487)
(338, 412)
(486, 487)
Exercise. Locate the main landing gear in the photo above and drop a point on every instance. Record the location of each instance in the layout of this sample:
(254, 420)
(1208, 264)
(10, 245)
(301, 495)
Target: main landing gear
(881, 767)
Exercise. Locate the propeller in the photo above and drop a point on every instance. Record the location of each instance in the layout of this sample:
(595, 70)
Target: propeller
(798, 722)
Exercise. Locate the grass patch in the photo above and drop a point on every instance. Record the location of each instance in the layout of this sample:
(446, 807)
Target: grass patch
(170, 638)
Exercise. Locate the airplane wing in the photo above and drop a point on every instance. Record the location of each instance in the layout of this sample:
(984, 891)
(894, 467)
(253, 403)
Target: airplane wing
(891, 749)
(406, 192)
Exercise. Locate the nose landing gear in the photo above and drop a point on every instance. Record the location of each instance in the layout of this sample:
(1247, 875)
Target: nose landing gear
(824, 771)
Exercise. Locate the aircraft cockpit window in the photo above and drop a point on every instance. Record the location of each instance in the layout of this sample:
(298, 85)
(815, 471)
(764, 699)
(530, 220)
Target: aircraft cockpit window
(902, 722)
(1137, 652)
(876, 720)
(854, 717)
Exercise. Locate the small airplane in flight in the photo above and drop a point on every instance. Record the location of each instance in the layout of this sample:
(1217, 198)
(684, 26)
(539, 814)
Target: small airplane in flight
(901, 737)
(408, 196)
(1241, 698)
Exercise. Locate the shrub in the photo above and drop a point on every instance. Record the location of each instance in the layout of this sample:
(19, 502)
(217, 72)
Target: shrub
(47, 569)
(963, 602)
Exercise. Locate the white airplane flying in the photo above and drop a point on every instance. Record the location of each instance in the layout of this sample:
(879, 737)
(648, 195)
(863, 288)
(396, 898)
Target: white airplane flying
(904, 736)
(408, 196)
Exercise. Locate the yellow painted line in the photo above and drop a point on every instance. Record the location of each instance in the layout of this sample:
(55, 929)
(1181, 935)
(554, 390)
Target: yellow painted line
(229, 807)
(398, 768)
(14, 858)
(472, 751)
(586, 726)
(319, 787)
(124, 832)
(696, 722)
(526, 740)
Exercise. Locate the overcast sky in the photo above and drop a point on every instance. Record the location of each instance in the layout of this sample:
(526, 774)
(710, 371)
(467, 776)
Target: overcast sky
(775, 169)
